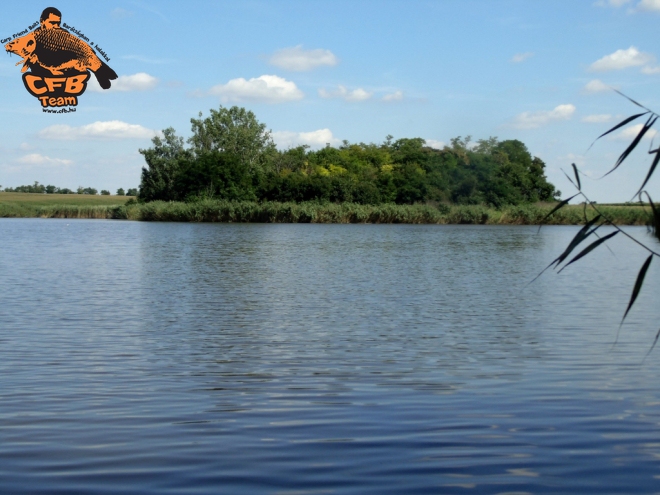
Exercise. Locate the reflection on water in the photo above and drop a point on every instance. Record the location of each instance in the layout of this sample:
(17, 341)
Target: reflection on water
(154, 358)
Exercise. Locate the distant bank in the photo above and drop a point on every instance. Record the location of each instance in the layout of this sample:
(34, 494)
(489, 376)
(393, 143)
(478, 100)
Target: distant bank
(25, 205)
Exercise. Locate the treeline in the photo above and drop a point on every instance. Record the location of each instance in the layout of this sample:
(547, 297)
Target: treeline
(50, 189)
(231, 156)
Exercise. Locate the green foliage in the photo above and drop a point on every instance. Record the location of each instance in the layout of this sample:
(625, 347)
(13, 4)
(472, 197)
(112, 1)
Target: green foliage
(213, 174)
(105, 192)
(121, 192)
(231, 156)
(234, 131)
(162, 166)
(37, 188)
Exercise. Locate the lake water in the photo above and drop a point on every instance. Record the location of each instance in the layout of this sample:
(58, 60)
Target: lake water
(160, 358)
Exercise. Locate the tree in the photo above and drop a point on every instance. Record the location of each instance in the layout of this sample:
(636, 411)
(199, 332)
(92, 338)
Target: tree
(235, 131)
(105, 192)
(214, 174)
(120, 192)
(132, 192)
(162, 166)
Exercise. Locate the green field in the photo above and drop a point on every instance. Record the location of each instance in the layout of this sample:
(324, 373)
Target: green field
(29, 205)
(32, 199)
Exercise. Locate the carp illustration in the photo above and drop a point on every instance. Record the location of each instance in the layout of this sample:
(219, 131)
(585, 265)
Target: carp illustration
(57, 51)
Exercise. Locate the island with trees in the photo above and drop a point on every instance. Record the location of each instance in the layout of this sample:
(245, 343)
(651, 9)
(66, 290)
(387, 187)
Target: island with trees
(230, 170)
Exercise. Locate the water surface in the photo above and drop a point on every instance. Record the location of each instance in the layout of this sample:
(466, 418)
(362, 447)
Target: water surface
(312, 359)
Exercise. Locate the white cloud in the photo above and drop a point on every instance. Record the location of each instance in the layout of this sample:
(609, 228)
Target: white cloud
(299, 60)
(629, 133)
(597, 119)
(622, 59)
(266, 88)
(649, 5)
(37, 159)
(611, 3)
(532, 120)
(396, 96)
(113, 129)
(596, 86)
(136, 82)
(358, 94)
(521, 57)
(651, 69)
(120, 13)
(642, 5)
(434, 143)
(314, 139)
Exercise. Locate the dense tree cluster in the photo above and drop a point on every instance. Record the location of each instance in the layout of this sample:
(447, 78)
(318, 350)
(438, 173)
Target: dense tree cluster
(231, 156)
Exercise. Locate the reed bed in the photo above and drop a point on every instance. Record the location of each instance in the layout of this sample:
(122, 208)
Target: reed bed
(270, 212)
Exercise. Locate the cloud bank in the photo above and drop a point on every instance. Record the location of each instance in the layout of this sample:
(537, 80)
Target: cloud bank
(136, 82)
(266, 89)
(37, 159)
(642, 5)
(629, 133)
(597, 119)
(396, 96)
(533, 120)
(314, 139)
(113, 129)
(622, 59)
(596, 86)
(434, 143)
(649, 5)
(299, 60)
(341, 92)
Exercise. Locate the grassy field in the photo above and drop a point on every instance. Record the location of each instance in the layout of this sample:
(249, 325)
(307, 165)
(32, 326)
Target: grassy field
(57, 205)
(31, 199)
(115, 207)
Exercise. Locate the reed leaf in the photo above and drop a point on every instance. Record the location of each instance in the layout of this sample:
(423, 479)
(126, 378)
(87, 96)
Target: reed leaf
(654, 342)
(655, 212)
(649, 123)
(631, 100)
(556, 208)
(579, 237)
(651, 169)
(618, 126)
(577, 176)
(569, 179)
(638, 285)
(590, 248)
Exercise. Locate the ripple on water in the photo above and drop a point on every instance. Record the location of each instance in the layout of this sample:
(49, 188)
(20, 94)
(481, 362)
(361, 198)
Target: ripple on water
(180, 358)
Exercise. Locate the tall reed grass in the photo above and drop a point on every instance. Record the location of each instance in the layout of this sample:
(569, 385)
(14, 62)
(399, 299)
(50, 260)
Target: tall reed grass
(270, 212)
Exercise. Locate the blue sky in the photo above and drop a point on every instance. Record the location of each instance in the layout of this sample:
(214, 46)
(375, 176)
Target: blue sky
(318, 71)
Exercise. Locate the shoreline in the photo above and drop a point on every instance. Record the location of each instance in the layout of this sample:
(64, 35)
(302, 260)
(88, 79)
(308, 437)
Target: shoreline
(343, 213)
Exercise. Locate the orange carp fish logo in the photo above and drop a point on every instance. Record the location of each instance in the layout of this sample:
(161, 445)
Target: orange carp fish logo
(57, 64)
